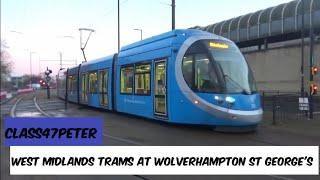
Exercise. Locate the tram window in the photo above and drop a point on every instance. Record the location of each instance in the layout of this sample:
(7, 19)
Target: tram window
(71, 83)
(205, 78)
(187, 69)
(103, 82)
(126, 83)
(142, 79)
(93, 82)
(103, 87)
(199, 73)
(83, 83)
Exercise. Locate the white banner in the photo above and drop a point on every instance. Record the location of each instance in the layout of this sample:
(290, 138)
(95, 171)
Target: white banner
(156, 160)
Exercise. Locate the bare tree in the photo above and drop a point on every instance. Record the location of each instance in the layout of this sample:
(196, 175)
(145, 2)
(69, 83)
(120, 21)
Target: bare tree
(6, 65)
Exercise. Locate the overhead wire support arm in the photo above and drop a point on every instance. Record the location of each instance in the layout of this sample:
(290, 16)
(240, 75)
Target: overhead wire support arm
(83, 47)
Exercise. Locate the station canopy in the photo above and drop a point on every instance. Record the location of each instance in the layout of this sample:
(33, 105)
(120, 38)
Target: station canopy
(278, 23)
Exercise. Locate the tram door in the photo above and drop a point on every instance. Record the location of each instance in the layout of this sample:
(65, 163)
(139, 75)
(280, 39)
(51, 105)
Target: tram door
(84, 88)
(160, 88)
(103, 78)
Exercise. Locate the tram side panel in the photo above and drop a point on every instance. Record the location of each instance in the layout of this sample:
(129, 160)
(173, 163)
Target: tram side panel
(180, 109)
(183, 110)
(195, 107)
(135, 82)
(95, 83)
(131, 99)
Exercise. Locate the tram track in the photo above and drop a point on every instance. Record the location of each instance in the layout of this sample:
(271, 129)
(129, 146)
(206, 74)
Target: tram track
(26, 107)
(13, 108)
(39, 108)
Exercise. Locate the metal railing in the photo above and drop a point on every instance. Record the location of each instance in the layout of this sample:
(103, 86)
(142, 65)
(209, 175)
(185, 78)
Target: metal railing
(280, 106)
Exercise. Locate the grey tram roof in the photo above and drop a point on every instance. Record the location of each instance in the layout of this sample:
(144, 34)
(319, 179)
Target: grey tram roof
(284, 19)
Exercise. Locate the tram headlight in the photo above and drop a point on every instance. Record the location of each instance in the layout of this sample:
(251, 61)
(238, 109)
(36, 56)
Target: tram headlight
(230, 100)
(218, 99)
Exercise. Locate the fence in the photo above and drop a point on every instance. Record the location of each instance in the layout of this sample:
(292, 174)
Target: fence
(286, 106)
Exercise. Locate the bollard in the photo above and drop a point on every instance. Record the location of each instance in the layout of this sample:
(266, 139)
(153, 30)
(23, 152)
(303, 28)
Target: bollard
(311, 107)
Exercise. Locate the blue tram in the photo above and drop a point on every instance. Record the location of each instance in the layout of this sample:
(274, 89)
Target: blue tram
(182, 76)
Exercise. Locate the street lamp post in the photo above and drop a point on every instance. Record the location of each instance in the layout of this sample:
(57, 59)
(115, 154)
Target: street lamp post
(31, 68)
(173, 13)
(71, 38)
(118, 26)
(30, 56)
(173, 18)
(140, 32)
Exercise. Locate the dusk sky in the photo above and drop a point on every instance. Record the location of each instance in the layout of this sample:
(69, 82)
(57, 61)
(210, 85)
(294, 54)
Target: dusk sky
(47, 27)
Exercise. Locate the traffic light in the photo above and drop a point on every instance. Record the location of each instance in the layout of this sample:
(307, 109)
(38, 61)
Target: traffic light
(313, 89)
(47, 82)
(314, 70)
(48, 72)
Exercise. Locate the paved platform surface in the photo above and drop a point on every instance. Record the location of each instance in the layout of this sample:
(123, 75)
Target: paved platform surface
(126, 130)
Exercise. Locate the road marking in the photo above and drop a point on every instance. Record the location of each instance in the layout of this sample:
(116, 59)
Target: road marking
(123, 140)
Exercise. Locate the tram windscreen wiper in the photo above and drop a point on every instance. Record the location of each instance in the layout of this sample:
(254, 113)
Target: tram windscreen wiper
(244, 91)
